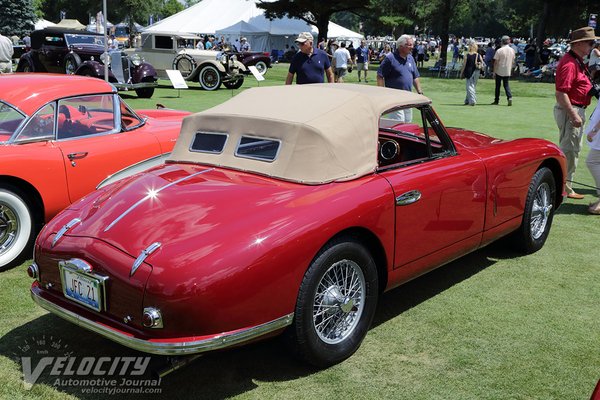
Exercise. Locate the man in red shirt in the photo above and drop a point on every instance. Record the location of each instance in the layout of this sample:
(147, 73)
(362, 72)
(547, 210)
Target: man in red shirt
(572, 97)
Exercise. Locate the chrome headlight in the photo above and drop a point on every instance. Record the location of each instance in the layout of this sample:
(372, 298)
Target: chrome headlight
(223, 59)
(136, 60)
(105, 58)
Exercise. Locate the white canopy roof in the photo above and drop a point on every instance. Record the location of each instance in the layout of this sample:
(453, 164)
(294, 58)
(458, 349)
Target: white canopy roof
(42, 23)
(212, 16)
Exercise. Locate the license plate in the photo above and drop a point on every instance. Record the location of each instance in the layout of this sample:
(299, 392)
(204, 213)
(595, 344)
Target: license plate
(83, 288)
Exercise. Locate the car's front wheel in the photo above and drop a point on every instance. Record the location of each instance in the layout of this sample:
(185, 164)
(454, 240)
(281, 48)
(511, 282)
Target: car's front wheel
(209, 78)
(16, 227)
(25, 65)
(147, 92)
(336, 303)
(234, 84)
(538, 213)
(261, 66)
(72, 62)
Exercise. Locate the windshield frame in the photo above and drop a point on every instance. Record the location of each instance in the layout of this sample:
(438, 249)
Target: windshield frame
(18, 128)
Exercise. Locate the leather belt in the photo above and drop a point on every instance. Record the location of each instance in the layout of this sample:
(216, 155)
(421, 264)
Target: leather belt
(578, 105)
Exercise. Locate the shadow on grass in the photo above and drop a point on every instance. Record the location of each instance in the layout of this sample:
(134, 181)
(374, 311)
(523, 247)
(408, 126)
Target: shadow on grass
(221, 374)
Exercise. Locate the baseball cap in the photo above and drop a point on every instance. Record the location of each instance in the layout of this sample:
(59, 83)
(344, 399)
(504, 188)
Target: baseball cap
(304, 36)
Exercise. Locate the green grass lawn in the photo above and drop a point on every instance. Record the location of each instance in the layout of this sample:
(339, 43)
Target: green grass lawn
(491, 325)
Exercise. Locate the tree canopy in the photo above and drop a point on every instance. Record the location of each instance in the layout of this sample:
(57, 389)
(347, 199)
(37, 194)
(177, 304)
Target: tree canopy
(16, 17)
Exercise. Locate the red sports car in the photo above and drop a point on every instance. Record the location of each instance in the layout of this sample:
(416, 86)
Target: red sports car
(59, 137)
(292, 217)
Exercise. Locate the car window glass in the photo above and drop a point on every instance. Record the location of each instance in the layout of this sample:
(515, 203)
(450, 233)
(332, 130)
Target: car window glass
(10, 119)
(40, 126)
(85, 116)
(129, 119)
(209, 142)
(410, 135)
(163, 42)
(258, 148)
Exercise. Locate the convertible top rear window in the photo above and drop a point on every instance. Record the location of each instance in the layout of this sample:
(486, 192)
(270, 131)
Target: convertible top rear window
(209, 142)
(258, 148)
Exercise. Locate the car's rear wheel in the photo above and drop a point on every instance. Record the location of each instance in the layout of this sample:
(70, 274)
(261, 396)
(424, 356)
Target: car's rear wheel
(336, 303)
(209, 78)
(72, 62)
(538, 213)
(234, 84)
(16, 227)
(261, 66)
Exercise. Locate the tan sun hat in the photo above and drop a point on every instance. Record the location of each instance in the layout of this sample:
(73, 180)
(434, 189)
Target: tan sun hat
(583, 34)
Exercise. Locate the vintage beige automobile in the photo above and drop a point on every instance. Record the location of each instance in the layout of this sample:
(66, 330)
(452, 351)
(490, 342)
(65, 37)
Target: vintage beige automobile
(178, 51)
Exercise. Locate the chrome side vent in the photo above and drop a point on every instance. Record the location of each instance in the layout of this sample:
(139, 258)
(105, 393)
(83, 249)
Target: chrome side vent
(142, 257)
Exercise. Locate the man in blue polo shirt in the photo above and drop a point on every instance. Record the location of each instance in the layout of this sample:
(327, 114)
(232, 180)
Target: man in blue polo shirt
(398, 70)
(309, 64)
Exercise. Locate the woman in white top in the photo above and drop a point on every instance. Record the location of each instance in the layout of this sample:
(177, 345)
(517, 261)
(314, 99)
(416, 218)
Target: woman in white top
(592, 134)
(594, 57)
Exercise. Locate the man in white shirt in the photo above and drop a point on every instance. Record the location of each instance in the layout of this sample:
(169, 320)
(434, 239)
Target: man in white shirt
(503, 64)
(342, 61)
(6, 54)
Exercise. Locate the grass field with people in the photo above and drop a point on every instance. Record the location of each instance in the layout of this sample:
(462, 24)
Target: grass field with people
(491, 325)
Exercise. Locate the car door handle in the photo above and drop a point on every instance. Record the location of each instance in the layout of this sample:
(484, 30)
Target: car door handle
(77, 156)
(408, 198)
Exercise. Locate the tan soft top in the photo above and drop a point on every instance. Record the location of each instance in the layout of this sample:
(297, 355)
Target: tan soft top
(328, 132)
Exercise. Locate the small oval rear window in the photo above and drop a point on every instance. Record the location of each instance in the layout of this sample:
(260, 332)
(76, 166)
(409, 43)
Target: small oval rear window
(209, 142)
(258, 148)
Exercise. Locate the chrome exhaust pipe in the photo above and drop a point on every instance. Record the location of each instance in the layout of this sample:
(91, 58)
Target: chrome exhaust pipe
(173, 364)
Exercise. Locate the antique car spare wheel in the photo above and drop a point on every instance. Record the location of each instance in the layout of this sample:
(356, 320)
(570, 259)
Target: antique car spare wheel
(336, 303)
(538, 213)
(209, 78)
(16, 227)
(185, 64)
(261, 66)
(72, 62)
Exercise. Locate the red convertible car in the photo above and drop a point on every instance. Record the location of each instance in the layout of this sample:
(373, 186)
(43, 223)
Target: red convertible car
(289, 218)
(59, 137)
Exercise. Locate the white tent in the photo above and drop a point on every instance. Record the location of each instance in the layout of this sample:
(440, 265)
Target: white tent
(42, 23)
(71, 24)
(215, 16)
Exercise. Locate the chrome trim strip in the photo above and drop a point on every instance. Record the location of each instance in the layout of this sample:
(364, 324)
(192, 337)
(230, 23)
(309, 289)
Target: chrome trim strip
(142, 257)
(148, 196)
(218, 342)
(64, 230)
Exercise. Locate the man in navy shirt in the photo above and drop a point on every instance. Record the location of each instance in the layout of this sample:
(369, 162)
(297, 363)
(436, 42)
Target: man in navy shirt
(398, 70)
(309, 64)
(362, 59)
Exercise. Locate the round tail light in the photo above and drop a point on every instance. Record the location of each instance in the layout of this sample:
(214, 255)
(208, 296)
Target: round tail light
(152, 318)
(33, 271)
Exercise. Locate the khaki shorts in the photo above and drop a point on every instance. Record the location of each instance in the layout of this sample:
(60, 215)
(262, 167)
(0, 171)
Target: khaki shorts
(362, 66)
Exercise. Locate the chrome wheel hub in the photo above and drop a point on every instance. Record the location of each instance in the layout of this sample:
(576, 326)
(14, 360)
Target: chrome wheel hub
(541, 211)
(9, 228)
(339, 301)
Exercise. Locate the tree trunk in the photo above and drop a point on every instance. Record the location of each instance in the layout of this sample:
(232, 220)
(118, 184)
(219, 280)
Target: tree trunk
(323, 25)
(445, 18)
(541, 32)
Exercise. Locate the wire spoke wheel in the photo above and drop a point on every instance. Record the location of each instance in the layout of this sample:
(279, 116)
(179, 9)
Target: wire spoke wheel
(542, 207)
(9, 228)
(339, 301)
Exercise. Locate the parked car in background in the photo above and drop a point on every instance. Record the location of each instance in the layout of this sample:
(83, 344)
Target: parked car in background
(59, 137)
(261, 60)
(80, 52)
(288, 217)
(210, 68)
